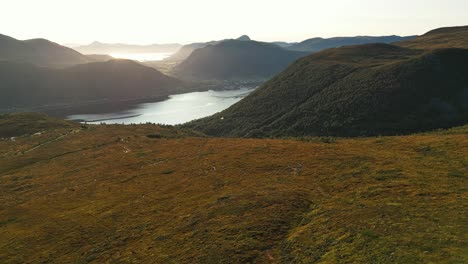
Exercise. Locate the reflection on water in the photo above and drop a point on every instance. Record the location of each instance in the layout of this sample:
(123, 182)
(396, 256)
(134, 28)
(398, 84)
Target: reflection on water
(177, 109)
(142, 56)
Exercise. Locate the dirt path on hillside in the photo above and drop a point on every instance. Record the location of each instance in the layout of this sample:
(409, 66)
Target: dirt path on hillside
(52, 140)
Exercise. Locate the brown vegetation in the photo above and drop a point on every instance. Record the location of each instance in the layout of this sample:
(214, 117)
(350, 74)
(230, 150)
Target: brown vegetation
(151, 194)
(441, 38)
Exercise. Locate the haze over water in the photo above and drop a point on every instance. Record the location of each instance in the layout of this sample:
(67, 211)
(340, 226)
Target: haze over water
(158, 56)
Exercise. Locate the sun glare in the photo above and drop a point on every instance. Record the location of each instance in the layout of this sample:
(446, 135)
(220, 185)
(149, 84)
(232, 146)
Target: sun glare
(142, 56)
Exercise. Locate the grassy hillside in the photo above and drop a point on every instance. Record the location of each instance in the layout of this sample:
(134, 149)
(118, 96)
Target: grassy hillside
(19, 124)
(236, 59)
(319, 44)
(25, 85)
(112, 194)
(375, 89)
(451, 37)
(40, 52)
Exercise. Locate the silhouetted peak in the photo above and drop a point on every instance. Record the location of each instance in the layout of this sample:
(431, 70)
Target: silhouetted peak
(244, 38)
(40, 41)
(5, 37)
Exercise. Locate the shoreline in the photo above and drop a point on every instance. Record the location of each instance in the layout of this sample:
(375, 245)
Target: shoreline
(105, 106)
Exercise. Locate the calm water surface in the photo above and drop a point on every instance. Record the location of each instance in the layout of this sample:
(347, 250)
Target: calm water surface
(177, 109)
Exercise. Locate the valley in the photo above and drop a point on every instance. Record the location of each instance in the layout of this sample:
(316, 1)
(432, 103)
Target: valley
(336, 133)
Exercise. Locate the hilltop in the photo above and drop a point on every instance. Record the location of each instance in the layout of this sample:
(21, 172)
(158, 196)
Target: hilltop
(449, 37)
(96, 194)
(236, 59)
(185, 51)
(40, 52)
(319, 44)
(373, 89)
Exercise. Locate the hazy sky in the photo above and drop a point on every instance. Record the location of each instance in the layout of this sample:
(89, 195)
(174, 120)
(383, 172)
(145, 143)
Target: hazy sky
(184, 21)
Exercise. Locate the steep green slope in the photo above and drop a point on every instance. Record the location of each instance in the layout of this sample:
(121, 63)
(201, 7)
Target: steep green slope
(353, 91)
(40, 52)
(236, 59)
(25, 85)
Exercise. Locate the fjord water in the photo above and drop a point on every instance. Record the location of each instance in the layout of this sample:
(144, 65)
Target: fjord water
(177, 109)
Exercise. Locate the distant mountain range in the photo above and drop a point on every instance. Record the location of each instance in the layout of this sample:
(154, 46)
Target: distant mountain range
(40, 52)
(236, 59)
(309, 45)
(247, 59)
(319, 44)
(38, 72)
(373, 89)
(105, 48)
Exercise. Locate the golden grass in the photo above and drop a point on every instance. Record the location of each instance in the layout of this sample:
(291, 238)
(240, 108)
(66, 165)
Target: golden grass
(110, 194)
(454, 37)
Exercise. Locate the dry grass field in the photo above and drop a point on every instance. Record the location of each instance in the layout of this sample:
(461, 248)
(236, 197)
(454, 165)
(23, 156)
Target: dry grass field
(111, 194)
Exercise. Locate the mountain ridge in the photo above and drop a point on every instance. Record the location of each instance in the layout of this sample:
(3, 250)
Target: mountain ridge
(40, 52)
(319, 44)
(446, 37)
(353, 91)
(185, 51)
(27, 85)
(236, 59)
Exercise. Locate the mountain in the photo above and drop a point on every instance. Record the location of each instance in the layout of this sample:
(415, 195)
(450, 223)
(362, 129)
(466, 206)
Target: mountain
(26, 85)
(105, 48)
(185, 51)
(319, 44)
(156, 194)
(235, 59)
(449, 37)
(40, 52)
(244, 38)
(373, 89)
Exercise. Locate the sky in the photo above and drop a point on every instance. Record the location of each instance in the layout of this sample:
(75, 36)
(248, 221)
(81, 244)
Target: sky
(186, 21)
